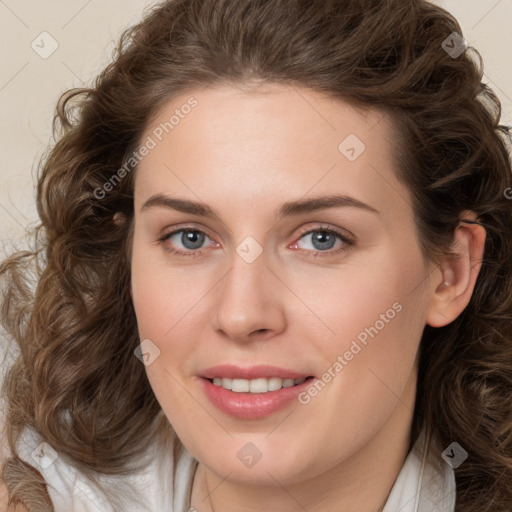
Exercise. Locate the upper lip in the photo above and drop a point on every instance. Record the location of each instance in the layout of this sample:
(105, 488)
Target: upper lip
(251, 372)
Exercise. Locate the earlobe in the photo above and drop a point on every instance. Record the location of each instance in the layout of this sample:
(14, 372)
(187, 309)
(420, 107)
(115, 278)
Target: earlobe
(458, 273)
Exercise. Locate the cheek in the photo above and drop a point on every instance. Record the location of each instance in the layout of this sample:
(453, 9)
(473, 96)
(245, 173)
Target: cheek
(375, 314)
(372, 294)
(163, 296)
(163, 303)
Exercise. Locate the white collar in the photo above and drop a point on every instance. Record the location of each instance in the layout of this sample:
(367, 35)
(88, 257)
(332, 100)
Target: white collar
(426, 483)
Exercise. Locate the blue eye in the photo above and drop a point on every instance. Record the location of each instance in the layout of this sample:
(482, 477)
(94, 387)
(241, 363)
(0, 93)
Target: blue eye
(192, 241)
(323, 240)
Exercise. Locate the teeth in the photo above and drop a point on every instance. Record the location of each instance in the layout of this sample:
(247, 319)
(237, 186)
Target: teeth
(240, 385)
(274, 384)
(256, 385)
(288, 383)
(227, 383)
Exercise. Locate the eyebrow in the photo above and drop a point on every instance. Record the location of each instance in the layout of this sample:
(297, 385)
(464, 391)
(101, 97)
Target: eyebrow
(290, 208)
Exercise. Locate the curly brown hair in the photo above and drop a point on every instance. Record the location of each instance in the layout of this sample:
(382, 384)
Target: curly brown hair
(76, 380)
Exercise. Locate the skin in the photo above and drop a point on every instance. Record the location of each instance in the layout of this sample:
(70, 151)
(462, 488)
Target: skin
(244, 152)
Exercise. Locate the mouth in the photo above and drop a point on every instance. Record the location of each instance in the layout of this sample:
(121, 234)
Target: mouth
(258, 385)
(252, 392)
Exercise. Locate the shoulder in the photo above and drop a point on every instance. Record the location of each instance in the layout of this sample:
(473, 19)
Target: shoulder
(163, 482)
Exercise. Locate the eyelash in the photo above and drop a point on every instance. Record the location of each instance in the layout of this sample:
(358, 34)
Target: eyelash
(348, 243)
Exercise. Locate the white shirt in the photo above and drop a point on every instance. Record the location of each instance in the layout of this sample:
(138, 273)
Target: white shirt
(425, 483)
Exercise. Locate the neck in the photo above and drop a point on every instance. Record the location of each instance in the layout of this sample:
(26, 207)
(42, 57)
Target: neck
(361, 482)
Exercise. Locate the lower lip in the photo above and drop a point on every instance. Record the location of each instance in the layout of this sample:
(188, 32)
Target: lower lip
(252, 405)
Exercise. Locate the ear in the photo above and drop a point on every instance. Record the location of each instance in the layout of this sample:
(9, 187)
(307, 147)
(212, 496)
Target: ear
(119, 219)
(455, 278)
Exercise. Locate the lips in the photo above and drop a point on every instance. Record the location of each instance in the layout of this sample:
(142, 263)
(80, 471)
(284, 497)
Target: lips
(252, 392)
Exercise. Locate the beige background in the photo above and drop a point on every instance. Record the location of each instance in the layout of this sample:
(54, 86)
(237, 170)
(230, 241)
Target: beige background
(84, 31)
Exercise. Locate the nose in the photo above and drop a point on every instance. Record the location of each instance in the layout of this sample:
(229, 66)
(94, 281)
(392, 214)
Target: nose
(249, 301)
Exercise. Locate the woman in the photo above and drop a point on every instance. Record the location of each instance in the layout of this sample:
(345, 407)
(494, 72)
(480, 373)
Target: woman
(273, 271)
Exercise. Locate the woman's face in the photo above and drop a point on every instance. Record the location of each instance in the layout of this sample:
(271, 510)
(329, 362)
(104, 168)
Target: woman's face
(243, 269)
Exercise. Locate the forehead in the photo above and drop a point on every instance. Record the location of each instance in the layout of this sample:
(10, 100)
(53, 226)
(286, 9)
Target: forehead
(274, 141)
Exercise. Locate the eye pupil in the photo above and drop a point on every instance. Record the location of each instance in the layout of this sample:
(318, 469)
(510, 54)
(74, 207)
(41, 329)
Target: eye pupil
(194, 237)
(324, 238)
